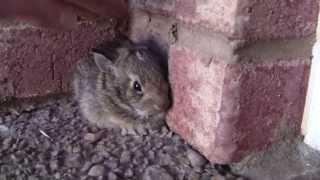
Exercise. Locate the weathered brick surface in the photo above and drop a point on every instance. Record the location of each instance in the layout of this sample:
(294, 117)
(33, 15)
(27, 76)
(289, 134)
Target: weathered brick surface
(164, 7)
(216, 15)
(242, 19)
(227, 110)
(273, 19)
(37, 62)
(145, 26)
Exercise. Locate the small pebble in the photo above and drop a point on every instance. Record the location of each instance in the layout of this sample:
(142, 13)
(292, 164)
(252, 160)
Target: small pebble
(112, 176)
(76, 149)
(90, 137)
(128, 173)
(164, 131)
(73, 160)
(151, 154)
(193, 176)
(4, 131)
(195, 158)
(54, 153)
(96, 159)
(6, 144)
(86, 166)
(141, 130)
(125, 157)
(112, 164)
(54, 165)
(219, 177)
(165, 159)
(57, 175)
(96, 171)
(156, 173)
(33, 178)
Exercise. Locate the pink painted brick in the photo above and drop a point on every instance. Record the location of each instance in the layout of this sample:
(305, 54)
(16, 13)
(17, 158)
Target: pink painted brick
(38, 62)
(227, 110)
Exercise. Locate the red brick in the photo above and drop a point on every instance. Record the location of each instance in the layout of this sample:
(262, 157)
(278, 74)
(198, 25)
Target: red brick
(164, 7)
(38, 62)
(216, 15)
(146, 26)
(241, 19)
(273, 19)
(227, 110)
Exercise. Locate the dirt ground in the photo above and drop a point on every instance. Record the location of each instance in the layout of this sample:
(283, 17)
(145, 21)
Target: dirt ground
(50, 140)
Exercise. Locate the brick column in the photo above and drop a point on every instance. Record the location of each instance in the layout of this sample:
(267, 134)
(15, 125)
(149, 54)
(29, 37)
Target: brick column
(238, 69)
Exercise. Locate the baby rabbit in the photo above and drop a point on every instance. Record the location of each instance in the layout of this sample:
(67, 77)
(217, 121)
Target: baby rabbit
(122, 85)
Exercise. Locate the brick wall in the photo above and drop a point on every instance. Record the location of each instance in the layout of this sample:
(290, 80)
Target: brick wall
(238, 69)
(38, 62)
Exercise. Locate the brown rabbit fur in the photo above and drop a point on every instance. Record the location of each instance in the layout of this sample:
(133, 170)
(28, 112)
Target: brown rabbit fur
(122, 85)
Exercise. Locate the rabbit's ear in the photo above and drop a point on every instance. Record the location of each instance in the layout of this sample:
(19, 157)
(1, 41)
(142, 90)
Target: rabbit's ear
(103, 63)
(123, 53)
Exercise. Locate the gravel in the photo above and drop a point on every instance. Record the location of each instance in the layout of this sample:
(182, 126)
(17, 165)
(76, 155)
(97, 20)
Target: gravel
(156, 173)
(50, 140)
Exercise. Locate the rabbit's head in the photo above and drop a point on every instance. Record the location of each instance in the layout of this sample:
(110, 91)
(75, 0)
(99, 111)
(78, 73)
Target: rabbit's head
(136, 78)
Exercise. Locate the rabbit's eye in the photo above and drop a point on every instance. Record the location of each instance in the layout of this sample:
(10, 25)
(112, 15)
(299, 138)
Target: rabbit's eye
(137, 87)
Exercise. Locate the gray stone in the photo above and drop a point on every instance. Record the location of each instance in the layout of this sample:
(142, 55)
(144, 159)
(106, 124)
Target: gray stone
(208, 177)
(151, 154)
(76, 149)
(4, 131)
(96, 171)
(112, 176)
(33, 178)
(165, 159)
(86, 166)
(6, 143)
(54, 165)
(125, 157)
(97, 159)
(90, 137)
(128, 173)
(156, 173)
(142, 130)
(194, 176)
(73, 160)
(195, 158)
(219, 177)
(112, 164)
(164, 131)
(57, 175)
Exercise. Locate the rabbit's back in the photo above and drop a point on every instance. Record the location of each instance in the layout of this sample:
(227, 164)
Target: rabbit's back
(84, 85)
